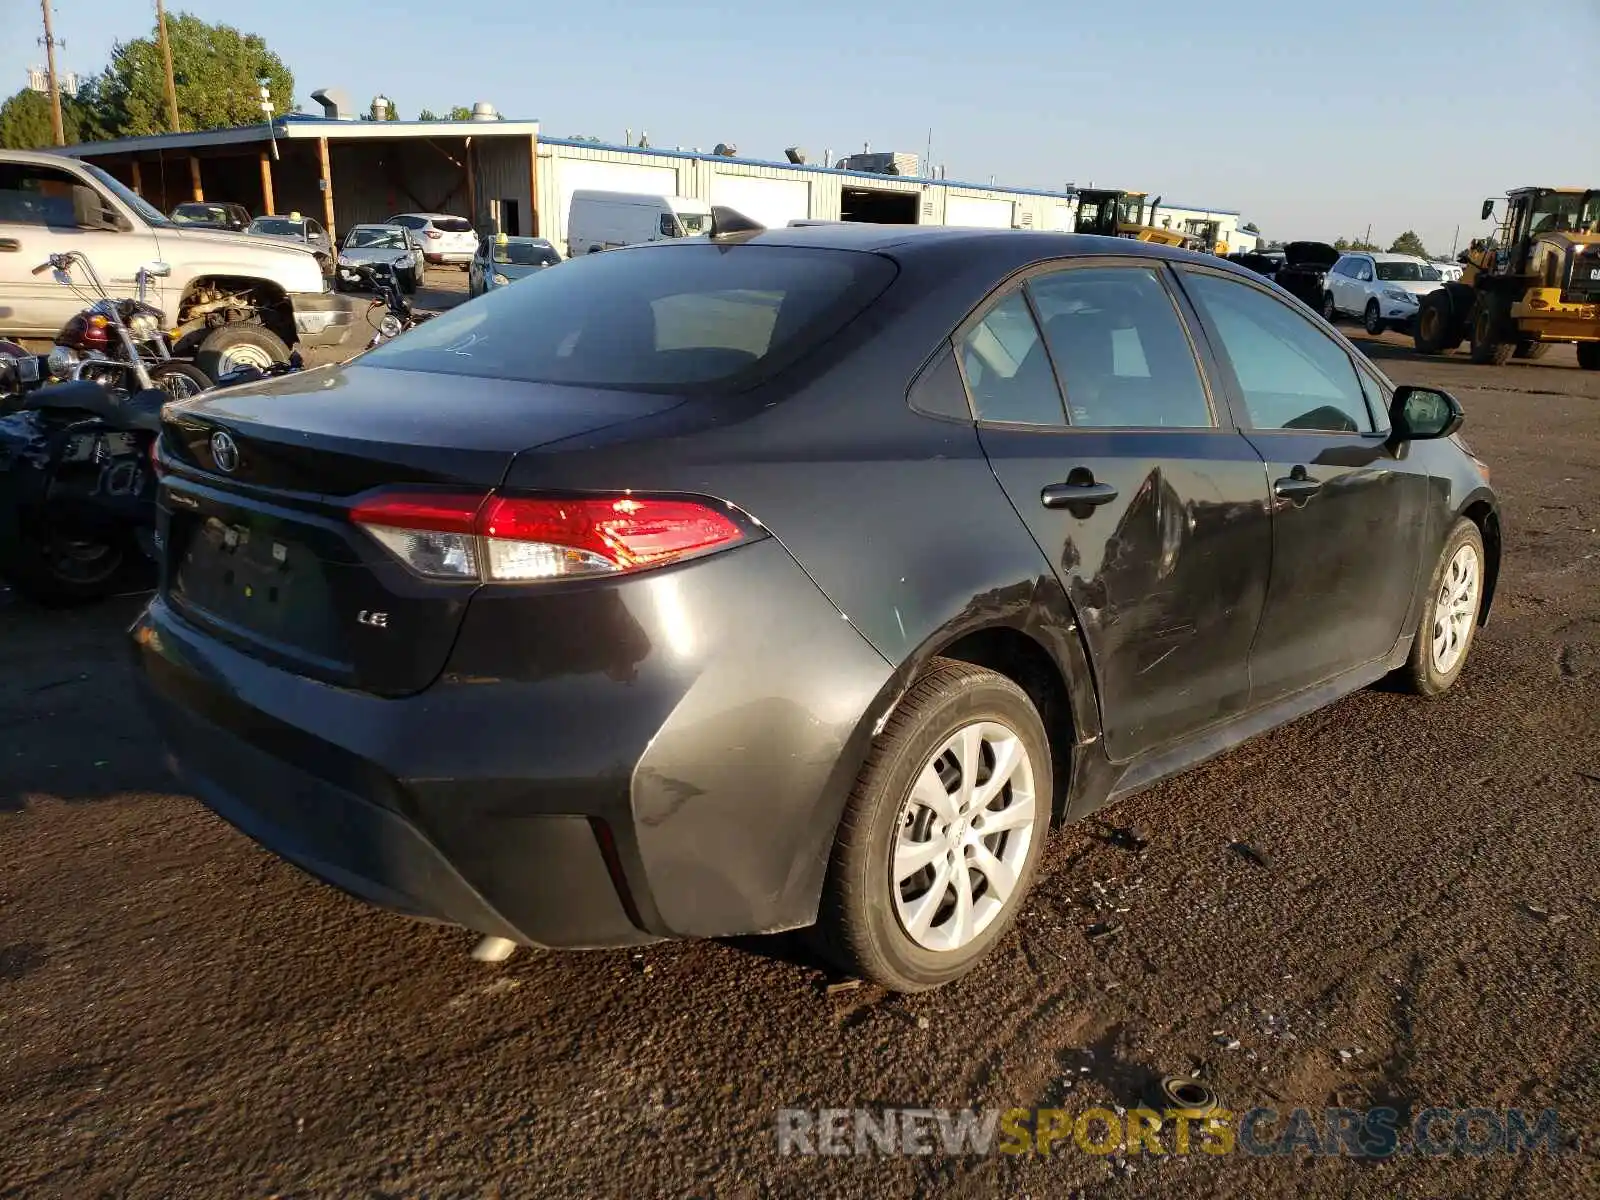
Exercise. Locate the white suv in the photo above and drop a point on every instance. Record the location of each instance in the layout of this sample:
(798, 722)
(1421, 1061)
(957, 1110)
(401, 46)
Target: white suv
(444, 238)
(1381, 289)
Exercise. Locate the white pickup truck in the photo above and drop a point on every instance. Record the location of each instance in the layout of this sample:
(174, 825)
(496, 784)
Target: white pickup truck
(234, 300)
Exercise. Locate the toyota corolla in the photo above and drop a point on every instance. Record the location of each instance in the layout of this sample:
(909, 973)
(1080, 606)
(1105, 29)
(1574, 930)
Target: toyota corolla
(791, 578)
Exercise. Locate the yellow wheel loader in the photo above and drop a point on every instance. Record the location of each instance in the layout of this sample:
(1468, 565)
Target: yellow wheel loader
(1123, 214)
(1535, 283)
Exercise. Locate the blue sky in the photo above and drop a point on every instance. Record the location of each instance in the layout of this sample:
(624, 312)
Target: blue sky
(1312, 119)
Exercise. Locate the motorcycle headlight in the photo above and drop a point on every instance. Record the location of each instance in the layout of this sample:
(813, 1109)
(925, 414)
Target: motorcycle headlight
(390, 326)
(61, 360)
(143, 326)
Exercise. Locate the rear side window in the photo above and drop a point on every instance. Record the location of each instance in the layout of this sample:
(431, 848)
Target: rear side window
(1123, 358)
(31, 195)
(665, 318)
(1008, 369)
(1291, 374)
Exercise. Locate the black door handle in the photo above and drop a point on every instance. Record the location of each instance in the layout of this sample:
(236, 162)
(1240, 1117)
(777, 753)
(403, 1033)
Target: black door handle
(1297, 485)
(9, 245)
(1070, 495)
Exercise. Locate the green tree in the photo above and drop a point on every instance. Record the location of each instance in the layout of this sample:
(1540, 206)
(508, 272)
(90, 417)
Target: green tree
(427, 114)
(1409, 243)
(1344, 244)
(215, 69)
(460, 113)
(25, 121)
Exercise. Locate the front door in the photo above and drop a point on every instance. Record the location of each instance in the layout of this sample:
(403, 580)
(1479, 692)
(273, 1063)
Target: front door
(1151, 510)
(1348, 508)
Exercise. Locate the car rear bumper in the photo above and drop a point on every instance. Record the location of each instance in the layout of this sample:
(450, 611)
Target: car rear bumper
(682, 778)
(459, 257)
(324, 319)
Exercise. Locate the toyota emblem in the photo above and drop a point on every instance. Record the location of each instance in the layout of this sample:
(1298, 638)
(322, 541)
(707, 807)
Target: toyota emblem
(224, 452)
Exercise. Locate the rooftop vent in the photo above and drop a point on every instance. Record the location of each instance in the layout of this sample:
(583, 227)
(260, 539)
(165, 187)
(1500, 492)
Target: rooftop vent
(380, 108)
(725, 150)
(795, 155)
(335, 103)
(484, 111)
(887, 162)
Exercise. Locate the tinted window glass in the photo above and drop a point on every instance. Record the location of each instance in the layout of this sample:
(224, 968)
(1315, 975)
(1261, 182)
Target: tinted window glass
(1007, 368)
(1122, 356)
(452, 225)
(31, 195)
(938, 391)
(1405, 272)
(1291, 374)
(1377, 403)
(655, 319)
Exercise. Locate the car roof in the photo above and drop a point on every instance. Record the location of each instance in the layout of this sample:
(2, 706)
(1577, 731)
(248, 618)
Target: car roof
(1377, 257)
(431, 216)
(379, 225)
(907, 240)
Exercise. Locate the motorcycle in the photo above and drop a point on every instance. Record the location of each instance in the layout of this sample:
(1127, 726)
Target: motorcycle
(77, 469)
(118, 343)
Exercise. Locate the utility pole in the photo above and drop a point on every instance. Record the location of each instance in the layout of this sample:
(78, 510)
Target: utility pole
(1453, 240)
(50, 44)
(1368, 239)
(166, 55)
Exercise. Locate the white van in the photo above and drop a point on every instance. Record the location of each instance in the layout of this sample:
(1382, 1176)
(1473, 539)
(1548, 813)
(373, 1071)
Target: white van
(606, 220)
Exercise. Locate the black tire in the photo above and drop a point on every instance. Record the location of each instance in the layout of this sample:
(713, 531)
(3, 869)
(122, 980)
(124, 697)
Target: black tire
(1530, 350)
(1589, 356)
(1330, 313)
(214, 356)
(1421, 674)
(56, 570)
(1436, 330)
(1486, 350)
(1372, 321)
(180, 380)
(858, 923)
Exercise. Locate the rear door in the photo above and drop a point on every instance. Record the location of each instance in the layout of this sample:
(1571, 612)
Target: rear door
(1150, 507)
(1348, 509)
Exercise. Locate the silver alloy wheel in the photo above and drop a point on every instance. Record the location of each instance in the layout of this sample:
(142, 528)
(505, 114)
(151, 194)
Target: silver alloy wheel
(962, 836)
(244, 354)
(179, 386)
(1456, 608)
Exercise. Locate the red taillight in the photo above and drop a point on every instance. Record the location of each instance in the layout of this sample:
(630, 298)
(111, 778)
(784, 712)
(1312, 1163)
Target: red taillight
(501, 538)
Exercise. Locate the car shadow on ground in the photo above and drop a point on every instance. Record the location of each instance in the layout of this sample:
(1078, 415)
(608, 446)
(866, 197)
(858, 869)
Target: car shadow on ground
(71, 726)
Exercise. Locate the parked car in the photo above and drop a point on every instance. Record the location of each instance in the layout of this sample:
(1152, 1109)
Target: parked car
(446, 240)
(732, 591)
(233, 300)
(206, 214)
(1381, 289)
(1449, 272)
(1263, 262)
(504, 260)
(599, 220)
(297, 231)
(392, 244)
(1304, 273)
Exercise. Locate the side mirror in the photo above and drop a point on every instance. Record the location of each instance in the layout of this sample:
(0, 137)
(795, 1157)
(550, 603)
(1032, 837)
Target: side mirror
(88, 210)
(1488, 209)
(157, 270)
(1422, 414)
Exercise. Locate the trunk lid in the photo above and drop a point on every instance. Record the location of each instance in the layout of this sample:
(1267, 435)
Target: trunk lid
(255, 512)
(1317, 255)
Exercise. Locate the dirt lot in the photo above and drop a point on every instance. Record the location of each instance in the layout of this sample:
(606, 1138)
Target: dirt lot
(182, 1015)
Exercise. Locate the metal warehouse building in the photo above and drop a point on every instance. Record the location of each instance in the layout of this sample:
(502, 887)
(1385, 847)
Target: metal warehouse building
(503, 175)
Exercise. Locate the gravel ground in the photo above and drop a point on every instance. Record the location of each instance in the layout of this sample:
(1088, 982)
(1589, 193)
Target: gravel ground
(183, 1015)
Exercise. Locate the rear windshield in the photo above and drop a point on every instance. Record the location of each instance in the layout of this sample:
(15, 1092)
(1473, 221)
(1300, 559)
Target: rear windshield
(452, 225)
(1405, 272)
(665, 318)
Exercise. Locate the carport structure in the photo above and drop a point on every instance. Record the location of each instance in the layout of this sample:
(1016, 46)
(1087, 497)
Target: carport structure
(341, 172)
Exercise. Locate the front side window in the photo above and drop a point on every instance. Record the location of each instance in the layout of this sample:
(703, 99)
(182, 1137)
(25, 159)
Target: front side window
(1008, 369)
(1123, 358)
(663, 319)
(1290, 374)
